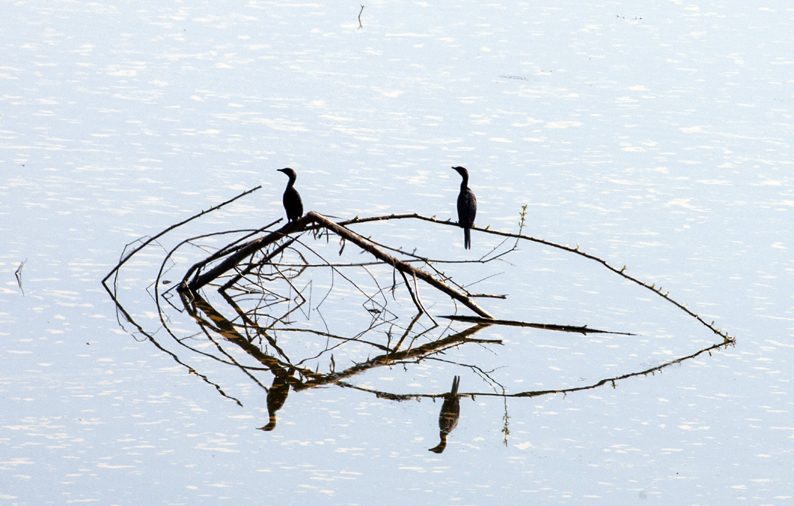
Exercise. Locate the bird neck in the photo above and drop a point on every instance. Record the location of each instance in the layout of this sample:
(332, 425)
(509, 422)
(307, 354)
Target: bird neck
(465, 182)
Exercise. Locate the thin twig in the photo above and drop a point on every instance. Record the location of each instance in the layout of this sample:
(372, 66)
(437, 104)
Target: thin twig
(18, 275)
(154, 238)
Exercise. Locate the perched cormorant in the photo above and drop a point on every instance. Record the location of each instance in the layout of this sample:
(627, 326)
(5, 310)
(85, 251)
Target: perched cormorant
(467, 206)
(292, 199)
(448, 418)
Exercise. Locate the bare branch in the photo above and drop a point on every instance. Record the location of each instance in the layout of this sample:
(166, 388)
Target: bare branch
(621, 272)
(398, 264)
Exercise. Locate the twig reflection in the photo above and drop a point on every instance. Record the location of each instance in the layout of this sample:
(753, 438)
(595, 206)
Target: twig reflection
(272, 336)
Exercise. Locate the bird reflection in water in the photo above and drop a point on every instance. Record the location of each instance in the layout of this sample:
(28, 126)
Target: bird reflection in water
(448, 418)
(276, 397)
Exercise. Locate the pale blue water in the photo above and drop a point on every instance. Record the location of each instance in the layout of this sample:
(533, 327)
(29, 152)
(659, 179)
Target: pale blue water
(654, 135)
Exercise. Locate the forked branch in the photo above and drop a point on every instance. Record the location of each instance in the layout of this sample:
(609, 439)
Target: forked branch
(246, 250)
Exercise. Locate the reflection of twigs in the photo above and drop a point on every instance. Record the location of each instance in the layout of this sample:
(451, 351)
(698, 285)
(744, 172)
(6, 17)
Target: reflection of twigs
(407, 331)
(359, 17)
(249, 324)
(176, 359)
(546, 326)
(218, 323)
(356, 338)
(226, 331)
(223, 327)
(187, 298)
(613, 380)
(537, 393)
(479, 371)
(412, 354)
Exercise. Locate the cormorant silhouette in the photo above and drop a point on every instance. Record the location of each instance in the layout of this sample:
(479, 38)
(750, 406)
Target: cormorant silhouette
(450, 413)
(292, 199)
(467, 206)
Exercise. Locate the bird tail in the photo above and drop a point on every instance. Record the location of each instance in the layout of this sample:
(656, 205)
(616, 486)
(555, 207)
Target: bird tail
(455, 385)
(467, 238)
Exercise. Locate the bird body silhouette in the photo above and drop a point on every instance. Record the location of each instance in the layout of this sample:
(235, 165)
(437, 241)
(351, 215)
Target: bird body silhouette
(467, 206)
(292, 199)
(449, 415)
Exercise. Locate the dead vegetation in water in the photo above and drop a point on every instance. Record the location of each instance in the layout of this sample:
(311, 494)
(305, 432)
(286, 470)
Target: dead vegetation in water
(273, 281)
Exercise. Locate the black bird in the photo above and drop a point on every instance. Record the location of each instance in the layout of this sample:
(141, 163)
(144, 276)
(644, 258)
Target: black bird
(467, 206)
(292, 199)
(450, 413)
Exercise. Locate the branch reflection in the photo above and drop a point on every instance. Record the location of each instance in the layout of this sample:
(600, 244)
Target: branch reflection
(266, 322)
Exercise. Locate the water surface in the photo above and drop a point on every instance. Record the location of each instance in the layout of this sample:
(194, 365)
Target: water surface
(655, 136)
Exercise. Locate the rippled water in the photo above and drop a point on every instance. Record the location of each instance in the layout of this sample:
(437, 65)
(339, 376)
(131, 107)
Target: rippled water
(654, 135)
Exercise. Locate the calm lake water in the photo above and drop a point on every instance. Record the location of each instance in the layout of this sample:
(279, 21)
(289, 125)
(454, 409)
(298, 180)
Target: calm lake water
(653, 135)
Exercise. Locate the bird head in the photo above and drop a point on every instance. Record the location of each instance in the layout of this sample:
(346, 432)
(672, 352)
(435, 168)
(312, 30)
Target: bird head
(289, 172)
(461, 170)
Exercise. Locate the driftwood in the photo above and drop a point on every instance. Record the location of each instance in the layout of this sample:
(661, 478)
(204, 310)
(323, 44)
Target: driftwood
(238, 256)
(233, 255)
(246, 250)
(262, 338)
(398, 264)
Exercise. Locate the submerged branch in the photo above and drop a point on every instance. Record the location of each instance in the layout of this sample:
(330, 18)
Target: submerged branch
(546, 326)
